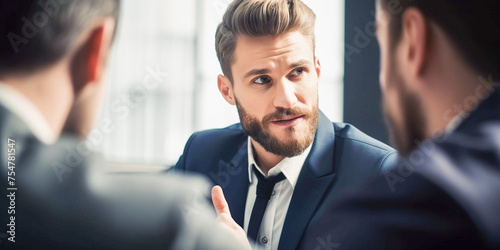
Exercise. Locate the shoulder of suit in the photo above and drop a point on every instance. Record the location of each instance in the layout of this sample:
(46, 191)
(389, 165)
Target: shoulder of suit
(214, 145)
(349, 132)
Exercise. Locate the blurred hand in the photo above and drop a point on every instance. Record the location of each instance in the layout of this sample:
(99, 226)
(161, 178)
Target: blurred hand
(224, 215)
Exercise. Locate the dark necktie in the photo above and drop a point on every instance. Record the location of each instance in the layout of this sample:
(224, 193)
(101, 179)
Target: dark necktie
(264, 190)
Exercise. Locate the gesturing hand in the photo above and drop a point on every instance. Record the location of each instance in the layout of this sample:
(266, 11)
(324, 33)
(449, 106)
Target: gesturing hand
(224, 215)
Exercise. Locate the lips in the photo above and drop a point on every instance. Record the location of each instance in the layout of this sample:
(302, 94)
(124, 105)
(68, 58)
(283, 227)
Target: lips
(288, 120)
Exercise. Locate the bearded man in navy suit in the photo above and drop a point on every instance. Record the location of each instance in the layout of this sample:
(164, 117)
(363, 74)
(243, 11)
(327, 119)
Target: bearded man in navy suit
(266, 52)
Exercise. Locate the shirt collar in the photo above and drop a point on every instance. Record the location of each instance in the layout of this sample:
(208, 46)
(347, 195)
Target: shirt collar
(289, 166)
(21, 106)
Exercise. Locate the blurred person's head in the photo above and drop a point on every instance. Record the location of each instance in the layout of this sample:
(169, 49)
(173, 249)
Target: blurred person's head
(435, 57)
(55, 52)
(266, 52)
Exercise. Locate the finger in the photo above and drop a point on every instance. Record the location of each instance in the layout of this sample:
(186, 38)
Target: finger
(219, 201)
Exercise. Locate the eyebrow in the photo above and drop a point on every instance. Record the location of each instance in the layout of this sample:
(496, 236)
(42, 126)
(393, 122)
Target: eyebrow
(299, 63)
(255, 72)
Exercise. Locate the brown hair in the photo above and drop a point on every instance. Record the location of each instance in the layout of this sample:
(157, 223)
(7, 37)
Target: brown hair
(259, 18)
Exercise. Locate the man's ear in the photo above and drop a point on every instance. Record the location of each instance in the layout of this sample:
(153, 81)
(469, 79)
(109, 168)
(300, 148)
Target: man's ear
(317, 66)
(226, 89)
(415, 45)
(89, 61)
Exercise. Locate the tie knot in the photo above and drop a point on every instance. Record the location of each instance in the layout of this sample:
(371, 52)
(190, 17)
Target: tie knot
(265, 186)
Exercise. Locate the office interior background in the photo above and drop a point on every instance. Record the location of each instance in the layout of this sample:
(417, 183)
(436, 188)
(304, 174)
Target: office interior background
(162, 78)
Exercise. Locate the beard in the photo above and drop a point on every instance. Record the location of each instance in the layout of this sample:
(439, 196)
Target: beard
(294, 143)
(405, 137)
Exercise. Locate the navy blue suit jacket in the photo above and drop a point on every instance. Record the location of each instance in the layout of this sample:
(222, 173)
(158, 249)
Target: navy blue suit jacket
(341, 157)
(443, 195)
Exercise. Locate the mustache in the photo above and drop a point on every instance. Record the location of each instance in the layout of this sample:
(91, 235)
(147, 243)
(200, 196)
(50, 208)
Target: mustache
(281, 113)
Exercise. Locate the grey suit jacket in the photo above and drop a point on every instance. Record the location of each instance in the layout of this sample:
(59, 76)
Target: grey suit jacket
(63, 201)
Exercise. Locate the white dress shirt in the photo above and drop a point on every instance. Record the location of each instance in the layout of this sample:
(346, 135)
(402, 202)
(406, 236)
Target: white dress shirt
(277, 207)
(22, 107)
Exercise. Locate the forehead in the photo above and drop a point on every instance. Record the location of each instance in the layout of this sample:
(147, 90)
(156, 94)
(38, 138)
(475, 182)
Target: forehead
(267, 51)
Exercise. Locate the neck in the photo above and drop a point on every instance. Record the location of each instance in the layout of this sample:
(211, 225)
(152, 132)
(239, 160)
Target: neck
(49, 90)
(449, 87)
(265, 159)
(463, 95)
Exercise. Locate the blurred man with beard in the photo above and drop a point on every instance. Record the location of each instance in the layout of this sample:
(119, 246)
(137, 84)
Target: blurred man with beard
(53, 58)
(285, 160)
(440, 68)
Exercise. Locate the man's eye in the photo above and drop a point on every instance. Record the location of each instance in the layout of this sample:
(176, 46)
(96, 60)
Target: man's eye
(262, 80)
(297, 72)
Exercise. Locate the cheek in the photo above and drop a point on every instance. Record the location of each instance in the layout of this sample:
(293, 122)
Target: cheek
(255, 104)
(307, 93)
(313, 97)
(384, 71)
(393, 105)
(383, 80)
(389, 91)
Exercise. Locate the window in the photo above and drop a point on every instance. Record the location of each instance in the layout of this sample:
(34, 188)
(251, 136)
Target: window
(163, 70)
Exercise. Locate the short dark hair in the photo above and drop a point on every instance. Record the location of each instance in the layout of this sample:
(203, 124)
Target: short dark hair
(473, 26)
(37, 33)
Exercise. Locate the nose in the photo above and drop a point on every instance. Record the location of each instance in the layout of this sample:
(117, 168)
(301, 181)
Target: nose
(285, 94)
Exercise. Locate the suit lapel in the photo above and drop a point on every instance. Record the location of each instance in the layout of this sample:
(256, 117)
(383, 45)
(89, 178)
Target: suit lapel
(234, 182)
(315, 178)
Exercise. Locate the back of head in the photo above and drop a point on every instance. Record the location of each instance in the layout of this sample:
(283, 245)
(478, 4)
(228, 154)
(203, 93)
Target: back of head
(35, 34)
(260, 18)
(472, 26)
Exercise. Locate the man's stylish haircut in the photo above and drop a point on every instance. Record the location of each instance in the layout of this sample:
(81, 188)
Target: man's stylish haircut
(473, 27)
(36, 34)
(256, 18)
